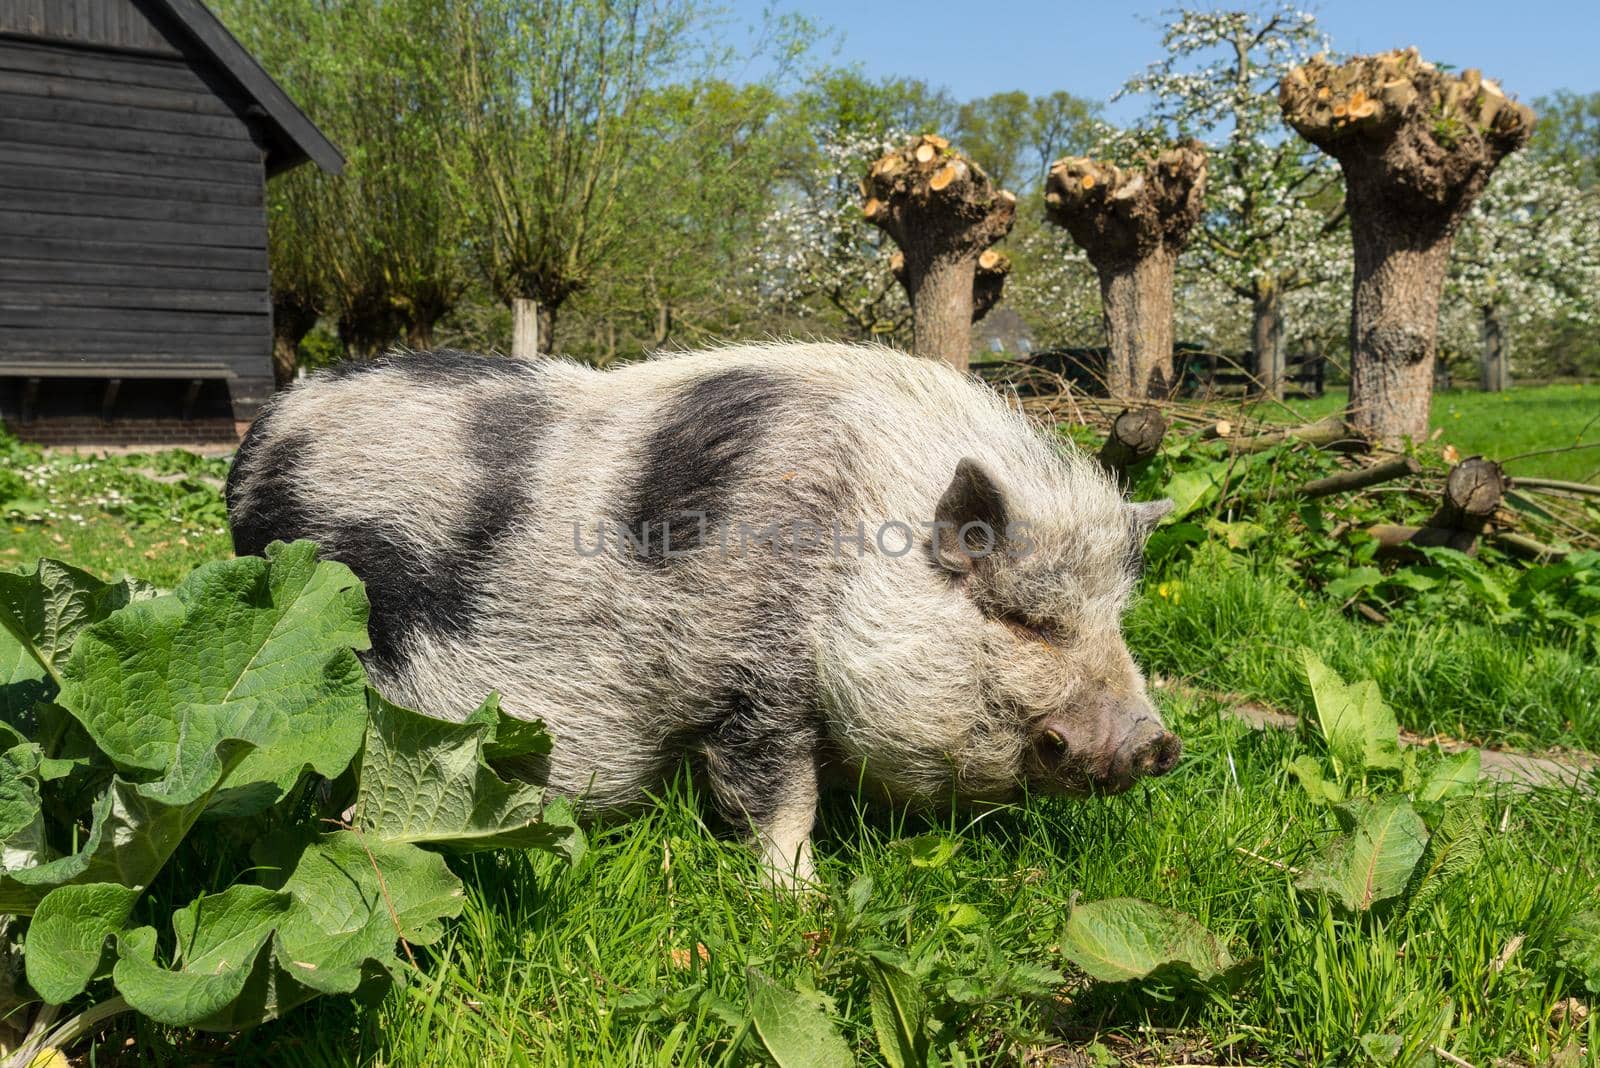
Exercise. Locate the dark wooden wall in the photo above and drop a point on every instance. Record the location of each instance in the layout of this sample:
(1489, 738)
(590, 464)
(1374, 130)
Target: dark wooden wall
(132, 218)
(106, 23)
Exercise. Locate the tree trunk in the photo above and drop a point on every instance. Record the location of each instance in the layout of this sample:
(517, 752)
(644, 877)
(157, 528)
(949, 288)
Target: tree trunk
(293, 316)
(663, 323)
(1266, 340)
(1400, 265)
(1496, 375)
(941, 325)
(419, 336)
(943, 212)
(1416, 144)
(525, 332)
(1136, 300)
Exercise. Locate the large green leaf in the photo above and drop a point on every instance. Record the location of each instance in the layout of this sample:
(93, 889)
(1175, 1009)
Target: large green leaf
(256, 649)
(252, 953)
(1453, 849)
(135, 826)
(1374, 861)
(427, 780)
(1454, 776)
(42, 612)
(793, 1029)
(22, 843)
(67, 939)
(1360, 729)
(1123, 938)
(899, 1012)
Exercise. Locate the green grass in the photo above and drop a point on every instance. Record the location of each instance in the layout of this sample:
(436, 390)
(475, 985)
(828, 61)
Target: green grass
(601, 964)
(1237, 626)
(1502, 426)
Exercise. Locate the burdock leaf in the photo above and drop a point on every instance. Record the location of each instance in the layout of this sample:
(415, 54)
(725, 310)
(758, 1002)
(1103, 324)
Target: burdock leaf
(1122, 939)
(1361, 731)
(794, 1030)
(427, 781)
(251, 953)
(258, 649)
(67, 939)
(134, 827)
(1374, 861)
(42, 612)
(1453, 776)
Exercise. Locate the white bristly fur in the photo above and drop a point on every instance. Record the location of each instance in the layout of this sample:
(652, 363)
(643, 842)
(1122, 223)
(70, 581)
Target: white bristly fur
(911, 672)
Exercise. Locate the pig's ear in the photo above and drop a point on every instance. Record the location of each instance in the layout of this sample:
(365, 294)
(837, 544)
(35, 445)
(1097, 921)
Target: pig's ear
(974, 503)
(1146, 515)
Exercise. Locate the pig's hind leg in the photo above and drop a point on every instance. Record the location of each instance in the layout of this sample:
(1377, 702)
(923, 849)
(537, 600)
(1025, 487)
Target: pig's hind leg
(761, 765)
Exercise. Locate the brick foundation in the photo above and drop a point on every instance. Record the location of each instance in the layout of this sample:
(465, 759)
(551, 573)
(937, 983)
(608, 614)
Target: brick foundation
(155, 433)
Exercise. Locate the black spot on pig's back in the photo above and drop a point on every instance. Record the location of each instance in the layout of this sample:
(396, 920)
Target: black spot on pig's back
(413, 588)
(707, 443)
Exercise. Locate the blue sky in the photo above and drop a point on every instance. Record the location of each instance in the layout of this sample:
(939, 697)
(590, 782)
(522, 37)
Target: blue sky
(972, 49)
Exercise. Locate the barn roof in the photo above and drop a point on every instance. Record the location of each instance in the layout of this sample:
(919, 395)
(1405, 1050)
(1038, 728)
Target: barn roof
(294, 138)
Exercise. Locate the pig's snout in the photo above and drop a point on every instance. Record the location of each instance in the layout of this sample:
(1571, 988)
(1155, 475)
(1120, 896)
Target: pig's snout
(1154, 754)
(1147, 749)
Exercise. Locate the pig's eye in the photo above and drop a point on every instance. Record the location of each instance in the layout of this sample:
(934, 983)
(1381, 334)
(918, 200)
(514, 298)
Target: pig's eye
(1025, 626)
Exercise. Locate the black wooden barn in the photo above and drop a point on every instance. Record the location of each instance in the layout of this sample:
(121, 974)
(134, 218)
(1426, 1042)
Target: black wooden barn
(136, 138)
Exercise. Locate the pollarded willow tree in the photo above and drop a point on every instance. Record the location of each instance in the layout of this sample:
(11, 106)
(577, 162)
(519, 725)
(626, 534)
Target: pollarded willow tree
(988, 281)
(1132, 224)
(1417, 146)
(1528, 254)
(942, 210)
(1272, 202)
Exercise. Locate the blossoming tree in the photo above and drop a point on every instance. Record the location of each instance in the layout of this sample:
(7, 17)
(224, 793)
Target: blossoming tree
(1272, 202)
(1528, 253)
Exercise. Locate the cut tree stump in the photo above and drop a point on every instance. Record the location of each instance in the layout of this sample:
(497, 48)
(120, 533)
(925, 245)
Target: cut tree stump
(1135, 437)
(1472, 493)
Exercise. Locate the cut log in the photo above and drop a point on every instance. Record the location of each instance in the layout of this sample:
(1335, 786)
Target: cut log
(1135, 437)
(1323, 433)
(1472, 491)
(1583, 489)
(1528, 548)
(1361, 477)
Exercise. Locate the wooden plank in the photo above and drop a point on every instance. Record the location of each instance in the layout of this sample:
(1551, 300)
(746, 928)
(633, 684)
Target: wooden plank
(185, 367)
(34, 344)
(17, 314)
(22, 225)
(19, 271)
(60, 87)
(71, 182)
(40, 57)
(141, 142)
(41, 203)
(223, 171)
(137, 254)
(136, 298)
(122, 116)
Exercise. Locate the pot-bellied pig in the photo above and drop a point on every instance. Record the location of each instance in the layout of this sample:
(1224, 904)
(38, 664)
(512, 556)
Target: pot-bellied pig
(793, 563)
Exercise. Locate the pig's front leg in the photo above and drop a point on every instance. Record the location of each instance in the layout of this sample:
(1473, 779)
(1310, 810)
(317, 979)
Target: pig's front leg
(767, 780)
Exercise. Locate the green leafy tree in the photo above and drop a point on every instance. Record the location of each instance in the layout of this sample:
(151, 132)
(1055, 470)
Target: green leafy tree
(553, 99)
(1569, 132)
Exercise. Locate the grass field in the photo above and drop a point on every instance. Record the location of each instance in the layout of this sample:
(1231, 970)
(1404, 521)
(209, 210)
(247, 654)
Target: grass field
(639, 954)
(1508, 426)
